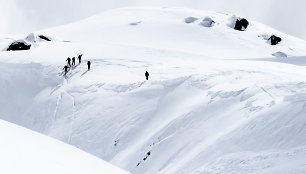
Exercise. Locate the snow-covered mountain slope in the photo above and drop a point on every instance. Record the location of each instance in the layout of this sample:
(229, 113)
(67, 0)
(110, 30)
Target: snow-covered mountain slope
(146, 27)
(141, 31)
(217, 101)
(24, 151)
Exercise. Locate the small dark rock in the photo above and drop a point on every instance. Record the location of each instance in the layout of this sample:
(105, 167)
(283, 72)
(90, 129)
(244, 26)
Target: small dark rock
(44, 38)
(274, 40)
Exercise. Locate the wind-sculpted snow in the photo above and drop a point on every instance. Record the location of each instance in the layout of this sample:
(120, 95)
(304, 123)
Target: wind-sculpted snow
(266, 162)
(216, 98)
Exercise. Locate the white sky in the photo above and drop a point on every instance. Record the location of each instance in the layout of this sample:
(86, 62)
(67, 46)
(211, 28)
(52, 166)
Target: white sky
(20, 16)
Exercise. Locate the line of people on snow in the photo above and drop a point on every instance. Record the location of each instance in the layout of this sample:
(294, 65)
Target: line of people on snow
(71, 63)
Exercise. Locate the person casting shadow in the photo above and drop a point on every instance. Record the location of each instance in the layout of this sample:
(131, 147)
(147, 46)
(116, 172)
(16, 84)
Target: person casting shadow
(68, 61)
(80, 58)
(73, 61)
(65, 69)
(88, 65)
(147, 75)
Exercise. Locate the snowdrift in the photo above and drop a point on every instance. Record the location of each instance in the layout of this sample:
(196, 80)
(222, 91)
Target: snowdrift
(24, 151)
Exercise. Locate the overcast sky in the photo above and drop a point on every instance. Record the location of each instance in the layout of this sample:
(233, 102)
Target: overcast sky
(20, 16)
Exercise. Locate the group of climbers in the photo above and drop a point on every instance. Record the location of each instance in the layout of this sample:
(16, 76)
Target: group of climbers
(71, 63)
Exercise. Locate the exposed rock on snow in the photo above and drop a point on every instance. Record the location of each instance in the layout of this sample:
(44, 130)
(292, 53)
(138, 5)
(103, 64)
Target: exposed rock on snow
(241, 24)
(45, 38)
(30, 41)
(19, 45)
(274, 40)
(238, 23)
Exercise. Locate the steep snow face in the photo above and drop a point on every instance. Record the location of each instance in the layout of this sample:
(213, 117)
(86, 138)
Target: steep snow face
(20, 86)
(209, 106)
(24, 151)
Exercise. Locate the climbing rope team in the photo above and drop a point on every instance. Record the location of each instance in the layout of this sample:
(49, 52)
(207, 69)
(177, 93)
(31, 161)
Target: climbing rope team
(71, 63)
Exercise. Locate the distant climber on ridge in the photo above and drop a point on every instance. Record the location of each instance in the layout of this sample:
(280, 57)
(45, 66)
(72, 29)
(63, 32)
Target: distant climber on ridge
(147, 75)
(88, 64)
(68, 61)
(73, 61)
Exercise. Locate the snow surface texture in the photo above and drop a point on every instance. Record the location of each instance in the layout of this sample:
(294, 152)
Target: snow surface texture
(24, 151)
(217, 100)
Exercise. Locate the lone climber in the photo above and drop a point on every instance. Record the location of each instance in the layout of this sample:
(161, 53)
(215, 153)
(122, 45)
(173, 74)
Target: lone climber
(68, 61)
(73, 61)
(147, 75)
(88, 64)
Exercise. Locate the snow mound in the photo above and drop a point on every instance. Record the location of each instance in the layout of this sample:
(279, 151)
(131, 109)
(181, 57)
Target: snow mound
(279, 54)
(207, 22)
(34, 38)
(135, 23)
(190, 19)
(24, 151)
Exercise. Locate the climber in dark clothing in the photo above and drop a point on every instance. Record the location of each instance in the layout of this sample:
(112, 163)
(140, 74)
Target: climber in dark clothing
(147, 75)
(73, 61)
(65, 69)
(88, 64)
(68, 61)
(80, 58)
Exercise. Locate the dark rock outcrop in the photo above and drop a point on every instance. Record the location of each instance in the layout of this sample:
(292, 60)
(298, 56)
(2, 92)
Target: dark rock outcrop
(19, 45)
(241, 24)
(274, 40)
(44, 38)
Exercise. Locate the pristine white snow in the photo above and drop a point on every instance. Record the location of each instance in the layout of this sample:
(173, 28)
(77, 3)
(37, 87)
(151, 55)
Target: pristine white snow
(217, 100)
(24, 151)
